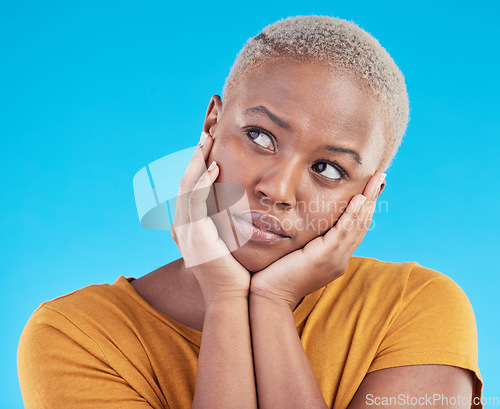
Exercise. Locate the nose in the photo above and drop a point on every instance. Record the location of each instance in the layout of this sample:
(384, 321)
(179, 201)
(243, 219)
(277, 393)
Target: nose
(279, 182)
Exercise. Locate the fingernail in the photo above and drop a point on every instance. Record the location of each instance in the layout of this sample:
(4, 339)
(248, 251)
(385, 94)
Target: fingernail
(212, 166)
(382, 178)
(361, 201)
(203, 138)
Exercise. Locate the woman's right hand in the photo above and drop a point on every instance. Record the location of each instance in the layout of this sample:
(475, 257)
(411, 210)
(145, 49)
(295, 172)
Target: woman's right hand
(205, 254)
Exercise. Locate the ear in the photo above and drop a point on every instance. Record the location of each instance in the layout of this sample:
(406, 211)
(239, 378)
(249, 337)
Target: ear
(212, 116)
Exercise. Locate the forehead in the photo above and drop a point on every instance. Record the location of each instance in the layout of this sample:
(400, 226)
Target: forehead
(319, 102)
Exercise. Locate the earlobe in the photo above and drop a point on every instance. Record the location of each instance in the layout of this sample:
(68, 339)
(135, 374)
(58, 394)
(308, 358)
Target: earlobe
(213, 114)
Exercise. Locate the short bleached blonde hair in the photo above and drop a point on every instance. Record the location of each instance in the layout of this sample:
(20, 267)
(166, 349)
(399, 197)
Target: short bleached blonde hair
(343, 45)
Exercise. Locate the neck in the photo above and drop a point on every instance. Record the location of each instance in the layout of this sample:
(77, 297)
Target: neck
(174, 291)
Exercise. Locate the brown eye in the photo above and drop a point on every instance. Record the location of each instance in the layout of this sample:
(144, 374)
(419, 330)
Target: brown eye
(327, 170)
(261, 139)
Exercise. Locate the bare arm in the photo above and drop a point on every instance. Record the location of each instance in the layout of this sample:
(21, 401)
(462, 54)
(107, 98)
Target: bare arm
(285, 378)
(225, 377)
(429, 386)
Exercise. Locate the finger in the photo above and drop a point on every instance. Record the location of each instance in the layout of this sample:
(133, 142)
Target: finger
(365, 215)
(345, 224)
(355, 221)
(198, 197)
(194, 170)
(363, 222)
(197, 164)
(374, 185)
(341, 236)
(371, 191)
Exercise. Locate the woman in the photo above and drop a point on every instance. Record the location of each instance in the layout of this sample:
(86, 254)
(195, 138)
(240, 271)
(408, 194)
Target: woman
(314, 110)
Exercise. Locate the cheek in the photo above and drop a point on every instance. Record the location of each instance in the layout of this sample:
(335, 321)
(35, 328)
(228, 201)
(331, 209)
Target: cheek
(234, 173)
(232, 157)
(322, 211)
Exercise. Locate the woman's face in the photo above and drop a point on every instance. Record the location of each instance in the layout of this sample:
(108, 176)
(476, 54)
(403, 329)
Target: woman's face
(302, 139)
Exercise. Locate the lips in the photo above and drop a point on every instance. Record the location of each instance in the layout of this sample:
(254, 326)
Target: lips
(263, 221)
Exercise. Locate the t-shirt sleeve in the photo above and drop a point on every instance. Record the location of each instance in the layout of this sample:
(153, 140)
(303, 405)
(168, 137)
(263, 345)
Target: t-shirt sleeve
(60, 366)
(435, 325)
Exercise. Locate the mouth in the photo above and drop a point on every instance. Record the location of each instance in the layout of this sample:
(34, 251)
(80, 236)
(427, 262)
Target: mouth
(260, 227)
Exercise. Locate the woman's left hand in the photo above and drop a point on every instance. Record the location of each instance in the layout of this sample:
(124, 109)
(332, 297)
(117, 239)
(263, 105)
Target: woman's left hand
(324, 258)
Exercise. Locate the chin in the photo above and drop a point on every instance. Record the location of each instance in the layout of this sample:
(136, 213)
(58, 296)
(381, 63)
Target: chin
(252, 256)
(255, 260)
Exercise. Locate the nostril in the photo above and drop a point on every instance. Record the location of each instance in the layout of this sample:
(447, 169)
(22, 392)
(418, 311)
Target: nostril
(278, 183)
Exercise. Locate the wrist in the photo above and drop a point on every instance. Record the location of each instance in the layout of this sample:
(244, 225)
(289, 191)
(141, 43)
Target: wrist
(224, 289)
(227, 300)
(272, 297)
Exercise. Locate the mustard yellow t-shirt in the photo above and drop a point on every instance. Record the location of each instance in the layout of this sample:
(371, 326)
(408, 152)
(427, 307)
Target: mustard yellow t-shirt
(104, 346)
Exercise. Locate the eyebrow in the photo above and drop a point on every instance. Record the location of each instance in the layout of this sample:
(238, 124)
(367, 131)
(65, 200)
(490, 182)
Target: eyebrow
(354, 154)
(261, 109)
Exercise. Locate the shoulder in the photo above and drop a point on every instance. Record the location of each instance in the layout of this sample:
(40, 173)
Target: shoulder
(405, 304)
(410, 314)
(91, 344)
(429, 319)
(377, 271)
(96, 298)
(379, 293)
(84, 316)
(402, 282)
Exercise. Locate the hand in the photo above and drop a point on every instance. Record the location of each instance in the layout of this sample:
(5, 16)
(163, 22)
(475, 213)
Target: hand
(205, 254)
(324, 258)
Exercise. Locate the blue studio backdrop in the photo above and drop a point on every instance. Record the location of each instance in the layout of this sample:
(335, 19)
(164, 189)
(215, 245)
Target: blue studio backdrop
(92, 91)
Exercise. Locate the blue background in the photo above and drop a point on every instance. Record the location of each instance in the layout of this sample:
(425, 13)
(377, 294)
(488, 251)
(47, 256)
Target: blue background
(92, 91)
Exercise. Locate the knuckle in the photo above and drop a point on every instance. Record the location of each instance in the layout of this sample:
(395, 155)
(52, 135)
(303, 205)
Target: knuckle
(204, 180)
(193, 199)
(344, 232)
(349, 212)
(182, 183)
(322, 263)
(173, 234)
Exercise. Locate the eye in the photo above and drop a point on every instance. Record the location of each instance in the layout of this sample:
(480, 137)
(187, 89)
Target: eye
(329, 170)
(261, 138)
